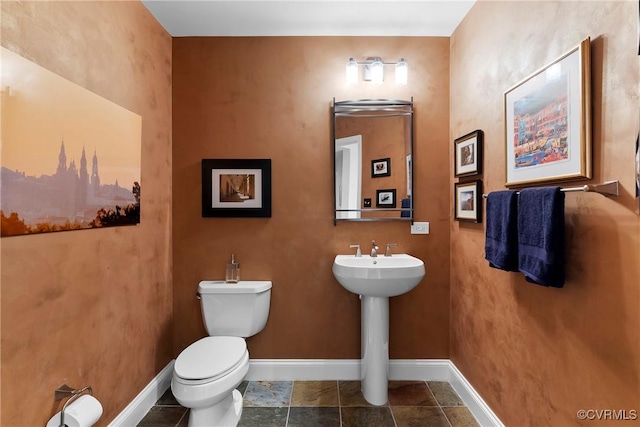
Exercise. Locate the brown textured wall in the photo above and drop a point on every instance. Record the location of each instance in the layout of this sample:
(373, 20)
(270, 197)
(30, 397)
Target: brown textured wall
(538, 355)
(92, 307)
(270, 97)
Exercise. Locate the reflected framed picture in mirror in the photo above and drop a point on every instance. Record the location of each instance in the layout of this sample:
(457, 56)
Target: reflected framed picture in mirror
(386, 198)
(381, 167)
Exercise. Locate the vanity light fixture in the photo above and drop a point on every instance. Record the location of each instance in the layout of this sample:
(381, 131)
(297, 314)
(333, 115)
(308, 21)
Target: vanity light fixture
(374, 70)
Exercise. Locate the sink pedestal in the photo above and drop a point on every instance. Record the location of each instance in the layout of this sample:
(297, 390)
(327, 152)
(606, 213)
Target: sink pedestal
(374, 367)
(376, 279)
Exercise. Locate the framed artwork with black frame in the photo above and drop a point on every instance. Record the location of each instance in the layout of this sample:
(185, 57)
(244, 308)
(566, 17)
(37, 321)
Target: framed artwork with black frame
(381, 167)
(386, 198)
(467, 196)
(236, 188)
(467, 154)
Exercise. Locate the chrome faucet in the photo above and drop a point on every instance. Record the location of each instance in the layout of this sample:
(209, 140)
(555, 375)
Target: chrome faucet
(358, 252)
(389, 246)
(374, 249)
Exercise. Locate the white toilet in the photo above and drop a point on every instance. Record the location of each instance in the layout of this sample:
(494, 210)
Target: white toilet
(207, 372)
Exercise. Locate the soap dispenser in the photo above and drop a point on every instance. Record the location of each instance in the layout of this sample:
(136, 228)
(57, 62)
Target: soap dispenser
(233, 271)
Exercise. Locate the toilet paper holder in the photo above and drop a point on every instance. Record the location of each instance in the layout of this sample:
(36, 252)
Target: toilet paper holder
(71, 394)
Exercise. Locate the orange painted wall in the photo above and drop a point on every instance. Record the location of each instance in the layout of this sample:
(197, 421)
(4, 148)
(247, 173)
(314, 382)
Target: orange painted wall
(92, 307)
(270, 97)
(538, 355)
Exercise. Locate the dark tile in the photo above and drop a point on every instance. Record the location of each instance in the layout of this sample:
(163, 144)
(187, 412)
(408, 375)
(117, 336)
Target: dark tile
(419, 416)
(460, 416)
(351, 394)
(410, 393)
(263, 417)
(184, 422)
(315, 393)
(314, 417)
(445, 394)
(242, 387)
(268, 393)
(167, 399)
(162, 416)
(378, 416)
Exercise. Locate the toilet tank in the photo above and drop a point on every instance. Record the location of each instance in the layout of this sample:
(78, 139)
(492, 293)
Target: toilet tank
(235, 309)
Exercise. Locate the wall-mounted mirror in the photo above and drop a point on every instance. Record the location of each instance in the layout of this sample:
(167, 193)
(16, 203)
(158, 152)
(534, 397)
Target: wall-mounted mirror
(373, 165)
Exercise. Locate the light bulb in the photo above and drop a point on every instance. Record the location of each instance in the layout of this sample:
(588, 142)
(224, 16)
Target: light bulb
(402, 69)
(352, 71)
(377, 71)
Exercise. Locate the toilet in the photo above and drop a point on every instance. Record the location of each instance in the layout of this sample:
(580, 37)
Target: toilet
(206, 374)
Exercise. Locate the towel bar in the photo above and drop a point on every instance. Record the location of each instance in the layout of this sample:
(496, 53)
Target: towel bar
(608, 188)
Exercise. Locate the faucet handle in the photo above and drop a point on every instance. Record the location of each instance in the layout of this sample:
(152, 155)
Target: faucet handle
(389, 246)
(358, 252)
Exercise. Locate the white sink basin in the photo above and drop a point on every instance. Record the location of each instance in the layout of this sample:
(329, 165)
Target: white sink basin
(379, 276)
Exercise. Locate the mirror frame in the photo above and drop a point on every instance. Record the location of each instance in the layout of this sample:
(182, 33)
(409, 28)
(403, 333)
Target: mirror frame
(368, 108)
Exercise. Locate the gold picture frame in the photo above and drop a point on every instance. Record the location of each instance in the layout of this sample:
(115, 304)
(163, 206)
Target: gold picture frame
(548, 122)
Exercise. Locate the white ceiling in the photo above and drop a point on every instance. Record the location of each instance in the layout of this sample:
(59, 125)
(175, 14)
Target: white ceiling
(183, 18)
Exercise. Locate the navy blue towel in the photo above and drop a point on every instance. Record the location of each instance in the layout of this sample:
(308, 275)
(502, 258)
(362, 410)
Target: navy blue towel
(501, 240)
(405, 204)
(541, 235)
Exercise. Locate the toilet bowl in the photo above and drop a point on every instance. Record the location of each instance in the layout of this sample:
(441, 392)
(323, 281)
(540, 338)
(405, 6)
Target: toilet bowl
(205, 376)
(207, 372)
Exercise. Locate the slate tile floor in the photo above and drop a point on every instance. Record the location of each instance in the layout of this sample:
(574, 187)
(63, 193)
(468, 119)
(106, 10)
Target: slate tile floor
(332, 404)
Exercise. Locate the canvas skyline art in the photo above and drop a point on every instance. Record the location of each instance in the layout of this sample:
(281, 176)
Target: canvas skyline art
(70, 158)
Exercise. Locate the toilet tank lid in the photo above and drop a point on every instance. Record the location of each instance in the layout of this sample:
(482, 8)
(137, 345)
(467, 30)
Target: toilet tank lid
(242, 287)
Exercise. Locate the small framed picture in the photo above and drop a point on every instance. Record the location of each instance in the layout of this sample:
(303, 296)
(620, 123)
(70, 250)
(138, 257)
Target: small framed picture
(380, 168)
(467, 154)
(236, 188)
(386, 198)
(467, 196)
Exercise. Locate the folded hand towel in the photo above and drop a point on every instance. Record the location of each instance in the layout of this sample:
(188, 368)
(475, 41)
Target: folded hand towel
(501, 240)
(541, 235)
(404, 204)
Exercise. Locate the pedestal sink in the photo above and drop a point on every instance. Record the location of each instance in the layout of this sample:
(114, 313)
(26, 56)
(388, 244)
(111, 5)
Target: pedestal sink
(376, 279)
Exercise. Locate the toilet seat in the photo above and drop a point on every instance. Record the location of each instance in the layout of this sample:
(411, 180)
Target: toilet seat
(209, 358)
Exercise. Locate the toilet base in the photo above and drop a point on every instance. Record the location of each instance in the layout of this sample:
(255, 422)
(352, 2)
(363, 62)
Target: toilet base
(226, 413)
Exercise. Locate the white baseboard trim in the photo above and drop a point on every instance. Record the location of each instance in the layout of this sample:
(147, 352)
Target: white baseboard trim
(144, 401)
(472, 399)
(324, 370)
(343, 369)
(303, 369)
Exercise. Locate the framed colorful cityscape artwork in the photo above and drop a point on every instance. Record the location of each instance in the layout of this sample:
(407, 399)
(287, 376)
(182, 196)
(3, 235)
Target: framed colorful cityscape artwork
(548, 122)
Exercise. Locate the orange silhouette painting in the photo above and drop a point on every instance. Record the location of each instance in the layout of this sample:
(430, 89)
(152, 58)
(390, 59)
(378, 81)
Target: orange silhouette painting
(70, 159)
